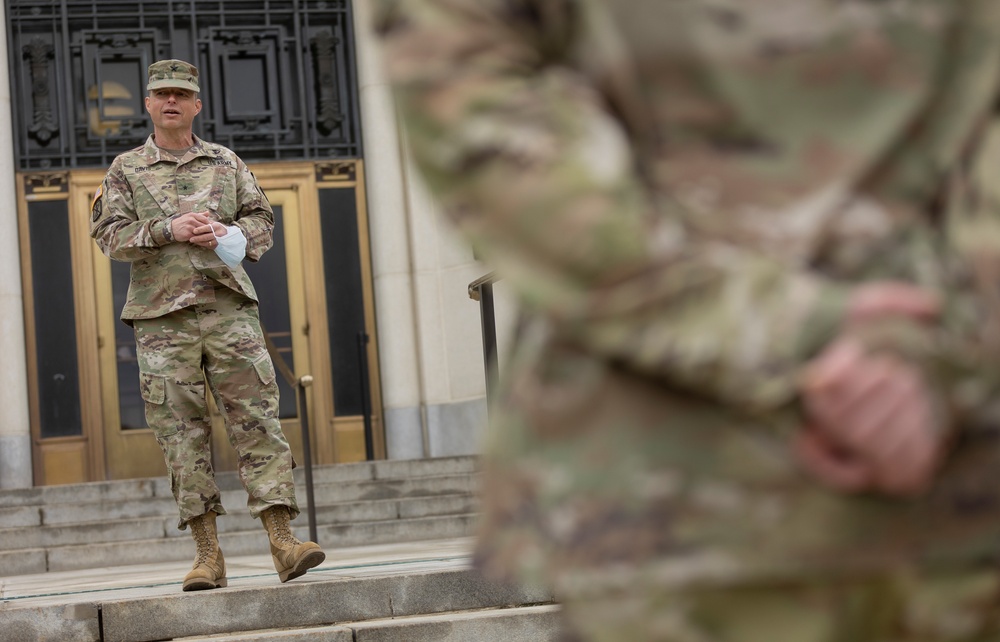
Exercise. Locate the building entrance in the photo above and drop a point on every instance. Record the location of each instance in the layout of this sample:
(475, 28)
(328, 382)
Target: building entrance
(316, 306)
(279, 88)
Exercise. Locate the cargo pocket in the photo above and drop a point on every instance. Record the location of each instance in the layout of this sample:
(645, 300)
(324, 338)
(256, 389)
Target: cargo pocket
(152, 388)
(265, 369)
(159, 418)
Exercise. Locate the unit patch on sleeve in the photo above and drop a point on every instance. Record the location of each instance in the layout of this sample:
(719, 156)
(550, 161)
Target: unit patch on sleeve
(95, 205)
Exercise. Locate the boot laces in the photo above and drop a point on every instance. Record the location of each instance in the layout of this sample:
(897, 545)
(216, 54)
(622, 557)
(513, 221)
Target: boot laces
(203, 540)
(281, 530)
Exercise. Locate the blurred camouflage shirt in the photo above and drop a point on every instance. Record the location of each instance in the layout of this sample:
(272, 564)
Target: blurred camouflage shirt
(132, 210)
(683, 193)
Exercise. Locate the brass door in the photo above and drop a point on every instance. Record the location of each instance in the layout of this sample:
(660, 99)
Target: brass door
(279, 281)
(130, 449)
(320, 211)
(63, 374)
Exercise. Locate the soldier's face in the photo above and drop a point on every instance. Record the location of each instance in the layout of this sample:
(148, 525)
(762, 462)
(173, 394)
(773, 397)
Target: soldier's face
(173, 108)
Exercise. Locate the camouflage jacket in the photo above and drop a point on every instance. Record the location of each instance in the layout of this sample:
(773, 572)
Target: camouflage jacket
(131, 215)
(683, 194)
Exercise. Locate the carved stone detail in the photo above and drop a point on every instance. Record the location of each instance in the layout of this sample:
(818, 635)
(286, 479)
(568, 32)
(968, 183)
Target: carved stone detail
(46, 183)
(337, 171)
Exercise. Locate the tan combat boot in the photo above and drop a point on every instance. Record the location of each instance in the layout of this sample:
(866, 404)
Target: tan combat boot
(209, 569)
(292, 558)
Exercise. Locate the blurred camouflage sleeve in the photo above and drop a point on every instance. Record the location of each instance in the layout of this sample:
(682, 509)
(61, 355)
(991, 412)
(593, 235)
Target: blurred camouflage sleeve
(973, 229)
(529, 161)
(115, 225)
(253, 215)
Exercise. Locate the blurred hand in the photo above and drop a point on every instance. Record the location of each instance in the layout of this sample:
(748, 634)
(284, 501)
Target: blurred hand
(870, 422)
(890, 298)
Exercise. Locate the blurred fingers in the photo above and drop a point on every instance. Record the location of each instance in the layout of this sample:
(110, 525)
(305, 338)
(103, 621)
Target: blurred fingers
(829, 466)
(893, 299)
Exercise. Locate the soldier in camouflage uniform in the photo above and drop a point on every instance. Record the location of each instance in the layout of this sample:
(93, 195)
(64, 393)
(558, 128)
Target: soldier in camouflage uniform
(166, 207)
(757, 246)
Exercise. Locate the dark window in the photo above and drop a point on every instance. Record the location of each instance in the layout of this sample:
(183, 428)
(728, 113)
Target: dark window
(344, 296)
(131, 407)
(55, 319)
(270, 280)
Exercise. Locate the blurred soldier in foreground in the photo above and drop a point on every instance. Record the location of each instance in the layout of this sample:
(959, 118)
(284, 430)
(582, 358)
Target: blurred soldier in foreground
(185, 213)
(757, 243)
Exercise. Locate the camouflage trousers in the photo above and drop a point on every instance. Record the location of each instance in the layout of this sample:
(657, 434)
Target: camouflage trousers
(903, 605)
(219, 344)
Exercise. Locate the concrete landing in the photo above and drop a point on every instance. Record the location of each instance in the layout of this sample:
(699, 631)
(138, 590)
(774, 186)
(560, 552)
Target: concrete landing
(384, 592)
(163, 579)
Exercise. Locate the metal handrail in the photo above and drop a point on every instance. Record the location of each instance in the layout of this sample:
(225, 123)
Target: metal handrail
(366, 400)
(482, 290)
(300, 384)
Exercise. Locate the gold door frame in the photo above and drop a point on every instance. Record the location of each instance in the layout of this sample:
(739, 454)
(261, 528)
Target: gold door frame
(349, 431)
(334, 439)
(59, 460)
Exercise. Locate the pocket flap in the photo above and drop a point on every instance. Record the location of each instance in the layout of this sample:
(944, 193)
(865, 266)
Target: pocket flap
(152, 387)
(265, 369)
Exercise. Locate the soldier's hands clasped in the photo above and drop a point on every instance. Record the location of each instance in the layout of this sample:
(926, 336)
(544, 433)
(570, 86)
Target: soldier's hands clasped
(197, 228)
(870, 416)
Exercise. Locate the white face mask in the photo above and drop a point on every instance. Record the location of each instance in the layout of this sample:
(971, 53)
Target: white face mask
(232, 247)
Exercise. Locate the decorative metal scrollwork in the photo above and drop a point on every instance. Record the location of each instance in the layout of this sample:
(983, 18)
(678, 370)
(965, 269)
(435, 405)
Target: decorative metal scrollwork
(278, 81)
(43, 124)
(117, 40)
(241, 38)
(328, 112)
(250, 124)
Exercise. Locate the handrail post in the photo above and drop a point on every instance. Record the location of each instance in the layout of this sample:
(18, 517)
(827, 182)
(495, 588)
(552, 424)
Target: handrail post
(300, 386)
(366, 402)
(487, 314)
(304, 382)
(482, 290)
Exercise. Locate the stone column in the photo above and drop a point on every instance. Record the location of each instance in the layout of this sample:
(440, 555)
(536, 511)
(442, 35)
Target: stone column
(15, 432)
(402, 397)
(425, 266)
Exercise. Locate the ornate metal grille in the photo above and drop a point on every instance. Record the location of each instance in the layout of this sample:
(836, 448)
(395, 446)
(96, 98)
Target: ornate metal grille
(278, 76)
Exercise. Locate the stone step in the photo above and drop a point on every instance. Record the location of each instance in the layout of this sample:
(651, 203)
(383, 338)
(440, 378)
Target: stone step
(119, 526)
(81, 526)
(238, 519)
(137, 489)
(515, 624)
(75, 553)
(399, 592)
(162, 504)
(331, 492)
(65, 535)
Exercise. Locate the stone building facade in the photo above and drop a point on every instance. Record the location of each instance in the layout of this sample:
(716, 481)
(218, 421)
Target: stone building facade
(366, 290)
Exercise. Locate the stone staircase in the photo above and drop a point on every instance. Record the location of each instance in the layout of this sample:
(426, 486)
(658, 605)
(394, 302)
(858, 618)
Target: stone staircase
(103, 562)
(412, 592)
(78, 526)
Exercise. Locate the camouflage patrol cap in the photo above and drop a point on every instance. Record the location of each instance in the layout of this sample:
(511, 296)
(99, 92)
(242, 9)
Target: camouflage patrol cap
(173, 73)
